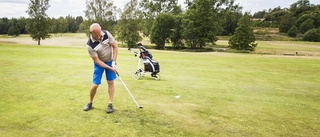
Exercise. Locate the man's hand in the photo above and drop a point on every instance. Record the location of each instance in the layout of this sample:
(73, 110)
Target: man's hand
(114, 70)
(114, 65)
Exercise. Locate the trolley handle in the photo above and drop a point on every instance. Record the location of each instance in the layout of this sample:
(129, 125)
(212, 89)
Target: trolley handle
(132, 51)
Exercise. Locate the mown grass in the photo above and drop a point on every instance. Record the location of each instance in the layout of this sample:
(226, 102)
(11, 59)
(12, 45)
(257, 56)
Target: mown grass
(44, 89)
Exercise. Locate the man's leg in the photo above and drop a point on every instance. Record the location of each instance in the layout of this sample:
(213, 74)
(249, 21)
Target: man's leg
(93, 91)
(96, 80)
(97, 75)
(111, 93)
(110, 90)
(111, 76)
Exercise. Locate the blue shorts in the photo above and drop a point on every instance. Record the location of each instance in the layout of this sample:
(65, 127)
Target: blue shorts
(98, 71)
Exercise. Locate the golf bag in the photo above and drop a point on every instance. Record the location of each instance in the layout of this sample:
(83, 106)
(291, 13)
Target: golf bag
(149, 64)
(144, 52)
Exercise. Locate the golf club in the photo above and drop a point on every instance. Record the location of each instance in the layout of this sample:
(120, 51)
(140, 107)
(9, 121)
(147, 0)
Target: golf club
(129, 92)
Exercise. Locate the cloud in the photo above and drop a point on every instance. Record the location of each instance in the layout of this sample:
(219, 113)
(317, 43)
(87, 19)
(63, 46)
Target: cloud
(260, 5)
(15, 10)
(18, 8)
(66, 7)
(15, 1)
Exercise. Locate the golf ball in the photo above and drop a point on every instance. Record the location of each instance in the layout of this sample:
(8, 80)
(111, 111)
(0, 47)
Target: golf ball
(177, 97)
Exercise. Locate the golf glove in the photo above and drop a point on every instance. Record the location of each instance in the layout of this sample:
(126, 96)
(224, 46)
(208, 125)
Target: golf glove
(114, 64)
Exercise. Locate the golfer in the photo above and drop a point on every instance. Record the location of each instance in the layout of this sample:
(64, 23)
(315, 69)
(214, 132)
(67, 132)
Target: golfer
(103, 50)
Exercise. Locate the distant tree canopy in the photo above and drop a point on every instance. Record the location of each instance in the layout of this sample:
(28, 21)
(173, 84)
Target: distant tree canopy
(6, 24)
(293, 31)
(194, 26)
(13, 31)
(102, 12)
(152, 8)
(260, 14)
(286, 22)
(312, 35)
(301, 14)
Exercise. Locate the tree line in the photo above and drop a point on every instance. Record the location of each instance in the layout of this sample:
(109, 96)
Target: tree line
(301, 19)
(195, 26)
(17, 26)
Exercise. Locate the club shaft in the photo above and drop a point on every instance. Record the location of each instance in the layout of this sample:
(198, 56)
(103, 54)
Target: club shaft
(129, 92)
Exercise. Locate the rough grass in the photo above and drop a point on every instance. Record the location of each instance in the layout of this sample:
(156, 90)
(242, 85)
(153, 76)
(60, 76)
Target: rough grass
(66, 39)
(44, 89)
(297, 48)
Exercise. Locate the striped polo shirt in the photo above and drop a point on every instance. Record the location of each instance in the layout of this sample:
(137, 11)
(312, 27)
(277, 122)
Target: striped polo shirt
(101, 49)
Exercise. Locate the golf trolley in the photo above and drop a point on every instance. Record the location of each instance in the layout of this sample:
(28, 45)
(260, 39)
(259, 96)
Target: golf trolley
(150, 65)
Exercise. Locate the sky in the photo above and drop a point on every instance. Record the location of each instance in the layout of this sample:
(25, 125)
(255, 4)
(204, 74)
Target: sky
(18, 8)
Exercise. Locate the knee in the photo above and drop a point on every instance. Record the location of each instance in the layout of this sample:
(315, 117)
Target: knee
(95, 86)
(110, 83)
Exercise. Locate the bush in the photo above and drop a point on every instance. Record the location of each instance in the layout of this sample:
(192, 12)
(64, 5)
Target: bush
(13, 31)
(307, 25)
(312, 35)
(293, 31)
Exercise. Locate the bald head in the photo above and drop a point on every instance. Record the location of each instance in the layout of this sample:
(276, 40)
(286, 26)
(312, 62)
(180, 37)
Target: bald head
(95, 28)
(95, 31)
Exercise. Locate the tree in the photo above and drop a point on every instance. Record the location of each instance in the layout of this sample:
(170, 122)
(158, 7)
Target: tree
(72, 25)
(202, 22)
(230, 22)
(152, 8)
(102, 12)
(83, 27)
(63, 25)
(129, 26)
(293, 31)
(286, 22)
(13, 31)
(38, 24)
(300, 7)
(5, 24)
(316, 17)
(312, 35)
(303, 18)
(259, 14)
(54, 26)
(59, 25)
(21, 24)
(244, 38)
(79, 20)
(277, 16)
(307, 25)
(176, 37)
(162, 29)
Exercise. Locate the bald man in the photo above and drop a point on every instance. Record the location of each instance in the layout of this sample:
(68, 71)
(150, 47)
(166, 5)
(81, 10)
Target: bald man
(103, 49)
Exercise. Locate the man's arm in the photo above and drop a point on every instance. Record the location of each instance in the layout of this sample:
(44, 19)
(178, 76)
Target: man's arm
(114, 46)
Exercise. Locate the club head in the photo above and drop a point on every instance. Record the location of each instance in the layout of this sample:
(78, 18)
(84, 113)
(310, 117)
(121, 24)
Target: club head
(140, 107)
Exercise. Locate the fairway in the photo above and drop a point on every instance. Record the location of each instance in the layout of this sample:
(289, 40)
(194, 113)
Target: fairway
(43, 90)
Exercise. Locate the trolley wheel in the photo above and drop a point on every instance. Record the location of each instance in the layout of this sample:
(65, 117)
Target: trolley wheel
(156, 77)
(136, 75)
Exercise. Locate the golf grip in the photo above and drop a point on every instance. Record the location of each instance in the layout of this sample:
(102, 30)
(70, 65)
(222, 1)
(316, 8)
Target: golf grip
(129, 91)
